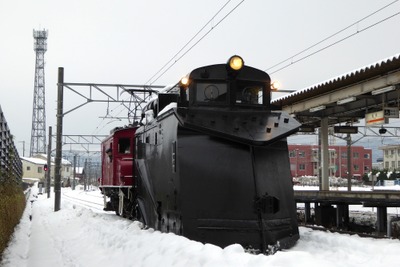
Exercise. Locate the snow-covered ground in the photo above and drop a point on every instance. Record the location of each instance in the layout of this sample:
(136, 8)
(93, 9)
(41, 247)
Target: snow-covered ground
(81, 234)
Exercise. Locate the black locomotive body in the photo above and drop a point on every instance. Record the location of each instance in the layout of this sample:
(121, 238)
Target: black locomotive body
(212, 163)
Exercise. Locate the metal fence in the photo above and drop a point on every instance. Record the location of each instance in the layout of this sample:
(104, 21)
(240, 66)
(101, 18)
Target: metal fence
(10, 162)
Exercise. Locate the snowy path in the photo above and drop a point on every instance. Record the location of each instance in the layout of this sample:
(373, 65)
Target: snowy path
(81, 236)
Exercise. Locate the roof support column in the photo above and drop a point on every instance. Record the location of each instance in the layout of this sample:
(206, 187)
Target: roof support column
(349, 172)
(324, 185)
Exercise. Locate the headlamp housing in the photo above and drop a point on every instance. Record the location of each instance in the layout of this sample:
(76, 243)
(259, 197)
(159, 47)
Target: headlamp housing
(235, 63)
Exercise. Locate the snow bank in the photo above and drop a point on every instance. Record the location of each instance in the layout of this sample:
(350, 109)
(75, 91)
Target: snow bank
(79, 236)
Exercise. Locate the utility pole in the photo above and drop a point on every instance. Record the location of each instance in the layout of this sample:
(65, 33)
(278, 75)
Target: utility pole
(74, 173)
(138, 92)
(349, 174)
(48, 173)
(85, 176)
(57, 171)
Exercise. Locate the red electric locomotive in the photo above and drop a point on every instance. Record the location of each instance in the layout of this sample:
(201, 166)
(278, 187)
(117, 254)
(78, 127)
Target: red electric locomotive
(117, 168)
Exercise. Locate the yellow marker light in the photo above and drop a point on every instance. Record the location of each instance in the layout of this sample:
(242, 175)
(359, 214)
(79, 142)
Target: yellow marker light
(275, 85)
(184, 81)
(236, 63)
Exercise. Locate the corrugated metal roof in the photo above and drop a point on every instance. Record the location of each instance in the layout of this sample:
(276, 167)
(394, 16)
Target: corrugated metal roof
(353, 77)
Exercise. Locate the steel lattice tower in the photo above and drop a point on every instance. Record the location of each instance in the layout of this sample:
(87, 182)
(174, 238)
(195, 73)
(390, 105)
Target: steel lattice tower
(38, 133)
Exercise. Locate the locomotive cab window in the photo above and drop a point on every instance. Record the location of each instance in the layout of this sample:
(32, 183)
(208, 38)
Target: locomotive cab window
(109, 152)
(212, 93)
(249, 94)
(124, 146)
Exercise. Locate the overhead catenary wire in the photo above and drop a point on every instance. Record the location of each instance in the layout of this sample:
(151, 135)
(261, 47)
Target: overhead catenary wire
(164, 69)
(115, 117)
(175, 59)
(339, 41)
(191, 39)
(331, 36)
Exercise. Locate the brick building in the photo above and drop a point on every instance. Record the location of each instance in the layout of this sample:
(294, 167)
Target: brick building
(304, 160)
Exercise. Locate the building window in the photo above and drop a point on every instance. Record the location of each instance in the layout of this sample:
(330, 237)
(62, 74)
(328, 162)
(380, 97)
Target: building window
(367, 156)
(344, 155)
(366, 168)
(356, 167)
(302, 166)
(28, 168)
(386, 164)
(355, 155)
(67, 169)
(386, 152)
(292, 167)
(302, 154)
(39, 169)
(292, 154)
(393, 164)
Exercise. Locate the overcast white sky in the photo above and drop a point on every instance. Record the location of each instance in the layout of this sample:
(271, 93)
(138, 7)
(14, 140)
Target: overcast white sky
(128, 41)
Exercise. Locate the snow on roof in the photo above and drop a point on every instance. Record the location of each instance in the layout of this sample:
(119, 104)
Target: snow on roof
(34, 160)
(341, 77)
(63, 161)
(30, 179)
(42, 159)
(168, 107)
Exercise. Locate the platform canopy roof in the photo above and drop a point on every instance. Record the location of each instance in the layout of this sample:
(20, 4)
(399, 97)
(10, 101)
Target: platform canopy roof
(348, 97)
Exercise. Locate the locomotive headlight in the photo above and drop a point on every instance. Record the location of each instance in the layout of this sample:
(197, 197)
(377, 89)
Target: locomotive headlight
(275, 85)
(235, 63)
(184, 82)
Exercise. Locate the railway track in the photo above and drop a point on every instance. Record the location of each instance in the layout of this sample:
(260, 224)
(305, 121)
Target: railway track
(95, 204)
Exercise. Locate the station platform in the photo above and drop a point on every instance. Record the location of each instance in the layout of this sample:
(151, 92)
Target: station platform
(332, 207)
(376, 198)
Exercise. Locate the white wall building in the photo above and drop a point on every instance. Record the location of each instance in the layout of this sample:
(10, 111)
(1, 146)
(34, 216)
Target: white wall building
(33, 168)
(391, 157)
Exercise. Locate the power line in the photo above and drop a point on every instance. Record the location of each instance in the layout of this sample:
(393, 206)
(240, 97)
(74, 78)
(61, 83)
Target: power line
(190, 48)
(329, 37)
(339, 41)
(293, 62)
(176, 60)
(205, 25)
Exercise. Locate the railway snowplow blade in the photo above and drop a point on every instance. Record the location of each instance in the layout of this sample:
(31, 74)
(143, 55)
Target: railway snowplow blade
(236, 193)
